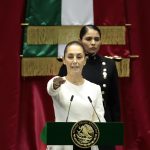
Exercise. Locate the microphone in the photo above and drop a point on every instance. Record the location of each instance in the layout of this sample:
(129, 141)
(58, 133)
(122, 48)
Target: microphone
(94, 108)
(71, 99)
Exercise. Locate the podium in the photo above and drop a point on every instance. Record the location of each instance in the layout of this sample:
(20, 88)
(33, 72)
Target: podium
(59, 133)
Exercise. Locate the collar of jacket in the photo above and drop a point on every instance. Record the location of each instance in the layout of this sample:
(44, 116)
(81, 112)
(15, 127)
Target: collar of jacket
(94, 58)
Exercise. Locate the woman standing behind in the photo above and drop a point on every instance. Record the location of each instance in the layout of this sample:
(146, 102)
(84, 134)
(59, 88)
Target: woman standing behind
(73, 84)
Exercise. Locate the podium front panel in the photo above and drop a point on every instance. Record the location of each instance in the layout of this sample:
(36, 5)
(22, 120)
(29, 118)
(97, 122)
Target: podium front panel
(59, 133)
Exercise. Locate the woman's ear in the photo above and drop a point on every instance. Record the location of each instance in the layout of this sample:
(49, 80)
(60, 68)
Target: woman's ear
(85, 60)
(86, 57)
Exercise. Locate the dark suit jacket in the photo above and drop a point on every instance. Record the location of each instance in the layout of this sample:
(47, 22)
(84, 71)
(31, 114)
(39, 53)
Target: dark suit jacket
(102, 71)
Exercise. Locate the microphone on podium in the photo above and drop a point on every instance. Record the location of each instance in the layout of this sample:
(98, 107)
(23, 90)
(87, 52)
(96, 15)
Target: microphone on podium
(94, 108)
(71, 99)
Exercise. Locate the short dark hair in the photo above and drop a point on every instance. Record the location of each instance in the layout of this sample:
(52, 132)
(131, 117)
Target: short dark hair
(72, 43)
(85, 28)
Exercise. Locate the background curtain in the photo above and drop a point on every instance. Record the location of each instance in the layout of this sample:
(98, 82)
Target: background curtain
(24, 103)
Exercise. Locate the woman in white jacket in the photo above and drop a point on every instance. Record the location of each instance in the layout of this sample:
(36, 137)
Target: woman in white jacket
(73, 84)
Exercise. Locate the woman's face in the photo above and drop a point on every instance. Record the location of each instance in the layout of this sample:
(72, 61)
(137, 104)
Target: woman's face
(91, 41)
(74, 59)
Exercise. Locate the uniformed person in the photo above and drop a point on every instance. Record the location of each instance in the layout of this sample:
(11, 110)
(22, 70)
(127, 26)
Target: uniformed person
(101, 71)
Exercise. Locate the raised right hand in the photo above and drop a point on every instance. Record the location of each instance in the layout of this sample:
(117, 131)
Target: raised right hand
(57, 82)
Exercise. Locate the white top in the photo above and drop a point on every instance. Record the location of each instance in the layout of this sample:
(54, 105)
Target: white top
(81, 108)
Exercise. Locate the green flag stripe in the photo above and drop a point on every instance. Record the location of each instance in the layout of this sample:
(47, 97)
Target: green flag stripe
(40, 50)
(47, 12)
(39, 12)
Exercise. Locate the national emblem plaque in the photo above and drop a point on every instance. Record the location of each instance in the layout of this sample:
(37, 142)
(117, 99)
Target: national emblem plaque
(85, 134)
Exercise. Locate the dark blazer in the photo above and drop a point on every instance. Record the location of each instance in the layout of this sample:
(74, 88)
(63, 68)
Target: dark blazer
(102, 71)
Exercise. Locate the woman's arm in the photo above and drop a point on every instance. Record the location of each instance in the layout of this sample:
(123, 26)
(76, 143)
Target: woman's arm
(53, 85)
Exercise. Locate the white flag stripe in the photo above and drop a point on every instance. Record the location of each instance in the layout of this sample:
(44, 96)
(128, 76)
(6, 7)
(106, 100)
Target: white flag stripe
(75, 12)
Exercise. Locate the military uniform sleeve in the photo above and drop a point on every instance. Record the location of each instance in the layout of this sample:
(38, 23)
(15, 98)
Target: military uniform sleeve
(114, 95)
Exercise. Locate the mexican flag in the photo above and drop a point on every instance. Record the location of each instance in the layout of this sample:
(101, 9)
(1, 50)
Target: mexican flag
(50, 24)
(56, 13)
